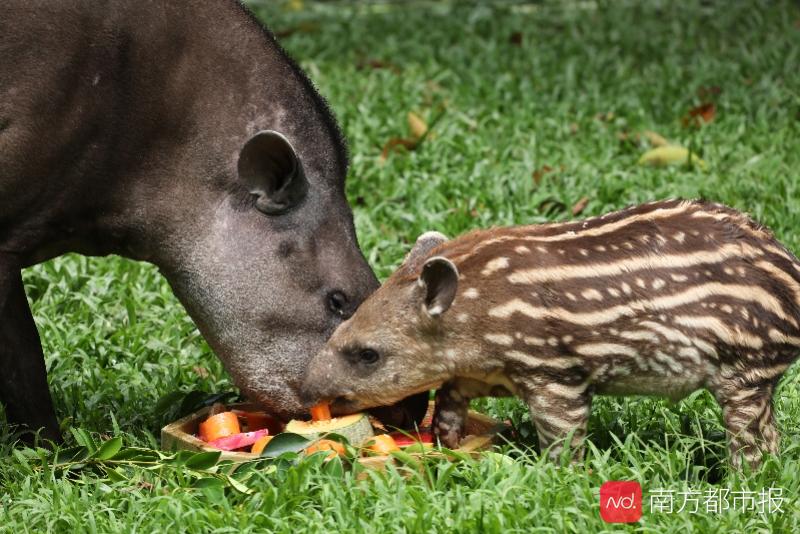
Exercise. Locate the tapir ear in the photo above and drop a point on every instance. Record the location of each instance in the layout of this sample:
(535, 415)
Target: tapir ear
(270, 170)
(422, 249)
(439, 281)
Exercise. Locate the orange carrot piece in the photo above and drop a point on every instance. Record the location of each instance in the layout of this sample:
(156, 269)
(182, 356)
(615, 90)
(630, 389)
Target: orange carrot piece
(258, 446)
(327, 445)
(382, 444)
(321, 412)
(218, 426)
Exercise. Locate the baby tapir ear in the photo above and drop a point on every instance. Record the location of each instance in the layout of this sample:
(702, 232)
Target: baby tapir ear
(439, 280)
(422, 249)
(270, 170)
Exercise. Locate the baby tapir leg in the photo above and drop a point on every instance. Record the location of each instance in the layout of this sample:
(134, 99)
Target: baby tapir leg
(559, 411)
(23, 376)
(748, 417)
(450, 415)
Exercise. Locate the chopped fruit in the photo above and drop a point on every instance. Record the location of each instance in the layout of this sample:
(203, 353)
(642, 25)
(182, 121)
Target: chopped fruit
(259, 420)
(237, 441)
(404, 439)
(260, 444)
(382, 444)
(356, 428)
(321, 412)
(335, 447)
(219, 426)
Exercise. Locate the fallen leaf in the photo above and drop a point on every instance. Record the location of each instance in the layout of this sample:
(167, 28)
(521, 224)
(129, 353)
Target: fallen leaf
(538, 174)
(515, 39)
(706, 92)
(580, 206)
(303, 27)
(704, 113)
(670, 155)
(573, 128)
(395, 143)
(655, 139)
(202, 372)
(417, 126)
(377, 64)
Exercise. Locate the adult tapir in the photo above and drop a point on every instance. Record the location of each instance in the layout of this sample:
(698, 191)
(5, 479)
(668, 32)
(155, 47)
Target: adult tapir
(181, 134)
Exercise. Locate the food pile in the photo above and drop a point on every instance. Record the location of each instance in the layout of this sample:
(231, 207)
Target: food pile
(251, 431)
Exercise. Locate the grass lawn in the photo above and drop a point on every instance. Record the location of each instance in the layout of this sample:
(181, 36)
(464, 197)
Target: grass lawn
(538, 106)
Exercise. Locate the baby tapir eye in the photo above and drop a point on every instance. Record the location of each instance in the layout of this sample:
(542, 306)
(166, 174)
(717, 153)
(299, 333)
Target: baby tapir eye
(368, 356)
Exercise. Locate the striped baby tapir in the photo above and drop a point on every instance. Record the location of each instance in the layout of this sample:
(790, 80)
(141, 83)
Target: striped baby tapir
(658, 299)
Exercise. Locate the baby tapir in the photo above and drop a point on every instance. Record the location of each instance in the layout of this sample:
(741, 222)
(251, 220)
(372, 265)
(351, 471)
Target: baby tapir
(658, 299)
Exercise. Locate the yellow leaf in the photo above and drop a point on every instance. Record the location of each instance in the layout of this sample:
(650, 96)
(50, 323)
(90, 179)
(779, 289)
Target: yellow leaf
(417, 126)
(670, 155)
(295, 5)
(655, 139)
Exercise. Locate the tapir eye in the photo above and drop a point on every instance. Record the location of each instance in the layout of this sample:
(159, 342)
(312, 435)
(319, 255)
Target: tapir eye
(368, 356)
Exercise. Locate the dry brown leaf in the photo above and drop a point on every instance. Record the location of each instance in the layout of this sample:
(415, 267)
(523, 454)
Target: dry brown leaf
(202, 372)
(573, 128)
(704, 113)
(706, 92)
(377, 64)
(395, 143)
(655, 139)
(579, 206)
(417, 126)
(539, 173)
(303, 27)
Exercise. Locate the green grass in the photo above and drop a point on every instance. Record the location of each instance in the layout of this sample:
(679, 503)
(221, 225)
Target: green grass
(116, 339)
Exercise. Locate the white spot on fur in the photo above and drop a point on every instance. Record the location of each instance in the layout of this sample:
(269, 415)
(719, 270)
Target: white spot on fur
(679, 277)
(552, 341)
(567, 339)
(658, 283)
(462, 318)
(728, 271)
(521, 249)
(613, 292)
(570, 296)
(680, 237)
(541, 249)
(600, 248)
(640, 283)
(494, 265)
(584, 252)
(592, 294)
(536, 341)
(499, 339)
(626, 288)
(471, 293)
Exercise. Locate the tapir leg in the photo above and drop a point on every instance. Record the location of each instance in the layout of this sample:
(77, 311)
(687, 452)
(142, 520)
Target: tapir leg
(23, 376)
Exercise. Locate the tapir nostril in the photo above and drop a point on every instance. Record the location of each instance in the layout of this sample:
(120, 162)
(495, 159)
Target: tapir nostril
(337, 303)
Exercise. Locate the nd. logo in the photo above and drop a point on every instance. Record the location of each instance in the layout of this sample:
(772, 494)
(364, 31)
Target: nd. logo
(620, 501)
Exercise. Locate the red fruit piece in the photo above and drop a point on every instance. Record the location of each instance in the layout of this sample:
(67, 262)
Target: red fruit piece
(237, 441)
(404, 439)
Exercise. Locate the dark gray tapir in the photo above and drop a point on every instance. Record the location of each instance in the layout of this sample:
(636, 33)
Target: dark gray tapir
(179, 133)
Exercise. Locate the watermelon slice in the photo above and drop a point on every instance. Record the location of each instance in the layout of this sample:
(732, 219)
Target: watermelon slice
(237, 441)
(404, 439)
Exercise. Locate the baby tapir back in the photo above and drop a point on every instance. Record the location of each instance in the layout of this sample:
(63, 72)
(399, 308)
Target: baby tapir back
(662, 298)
